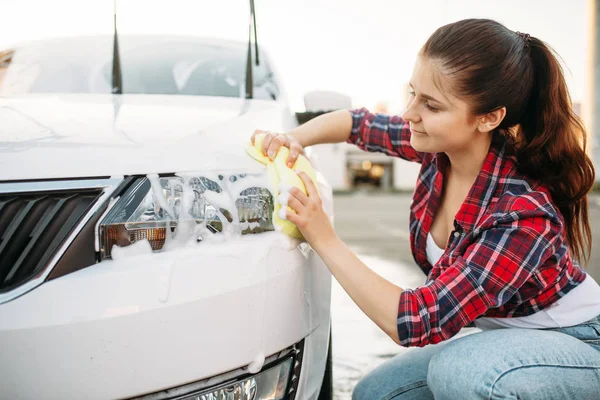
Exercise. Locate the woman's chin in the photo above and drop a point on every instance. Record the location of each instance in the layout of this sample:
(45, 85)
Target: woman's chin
(420, 143)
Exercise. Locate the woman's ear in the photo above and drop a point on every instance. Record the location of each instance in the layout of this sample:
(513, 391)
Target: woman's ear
(490, 121)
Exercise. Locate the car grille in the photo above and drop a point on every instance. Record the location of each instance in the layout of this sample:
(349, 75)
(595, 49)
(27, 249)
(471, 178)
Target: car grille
(32, 228)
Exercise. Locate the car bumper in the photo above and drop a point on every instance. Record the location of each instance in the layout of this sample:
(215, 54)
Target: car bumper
(146, 323)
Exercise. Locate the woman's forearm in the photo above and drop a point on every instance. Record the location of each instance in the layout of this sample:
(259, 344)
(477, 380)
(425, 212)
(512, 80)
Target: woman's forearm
(333, 127)
(376, 296)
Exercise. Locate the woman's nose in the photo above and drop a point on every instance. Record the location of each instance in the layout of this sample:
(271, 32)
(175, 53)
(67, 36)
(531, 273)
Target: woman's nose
(410, 114)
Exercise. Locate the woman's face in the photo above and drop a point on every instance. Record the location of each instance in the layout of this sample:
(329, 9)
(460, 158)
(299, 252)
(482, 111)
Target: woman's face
(439, 121)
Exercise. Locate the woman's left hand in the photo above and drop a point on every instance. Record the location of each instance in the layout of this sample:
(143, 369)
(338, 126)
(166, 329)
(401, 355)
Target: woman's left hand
(309, 216)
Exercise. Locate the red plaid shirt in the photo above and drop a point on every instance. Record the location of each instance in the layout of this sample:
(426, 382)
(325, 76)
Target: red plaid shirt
(507, 256)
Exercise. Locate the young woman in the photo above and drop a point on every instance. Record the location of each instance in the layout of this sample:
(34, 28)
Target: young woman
(498, 219)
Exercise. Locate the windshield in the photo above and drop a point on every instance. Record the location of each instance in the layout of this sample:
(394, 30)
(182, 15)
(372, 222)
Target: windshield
(149, 65)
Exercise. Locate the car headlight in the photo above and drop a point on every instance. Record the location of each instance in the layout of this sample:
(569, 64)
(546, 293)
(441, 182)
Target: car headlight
(189, 208)
(270, 384)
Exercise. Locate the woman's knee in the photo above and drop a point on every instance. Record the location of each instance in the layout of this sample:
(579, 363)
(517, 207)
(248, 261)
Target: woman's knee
(364, 389)
(460, 370)
(402, 377)
(372, 388)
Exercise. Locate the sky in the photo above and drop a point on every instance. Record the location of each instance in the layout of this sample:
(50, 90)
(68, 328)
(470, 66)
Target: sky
(365, 49)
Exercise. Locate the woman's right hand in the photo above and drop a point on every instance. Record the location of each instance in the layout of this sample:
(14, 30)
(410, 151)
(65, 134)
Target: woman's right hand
(273, 141)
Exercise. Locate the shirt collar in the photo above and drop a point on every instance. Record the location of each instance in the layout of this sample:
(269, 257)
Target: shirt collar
(484, 187)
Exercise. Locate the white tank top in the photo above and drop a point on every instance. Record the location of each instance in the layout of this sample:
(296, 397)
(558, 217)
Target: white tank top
(579, 305)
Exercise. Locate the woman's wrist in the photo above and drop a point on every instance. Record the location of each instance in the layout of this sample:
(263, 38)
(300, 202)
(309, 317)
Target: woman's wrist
(326, 244)
(299, 138)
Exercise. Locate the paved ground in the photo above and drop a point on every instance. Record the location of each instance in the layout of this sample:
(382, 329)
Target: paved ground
(375, 226)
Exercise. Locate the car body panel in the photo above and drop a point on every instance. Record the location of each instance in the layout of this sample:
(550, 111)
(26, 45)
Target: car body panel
(165, 319)
(44, 136)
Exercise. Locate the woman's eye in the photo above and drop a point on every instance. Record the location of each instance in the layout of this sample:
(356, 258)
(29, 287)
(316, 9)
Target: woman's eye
(430, 107)
(412, 94)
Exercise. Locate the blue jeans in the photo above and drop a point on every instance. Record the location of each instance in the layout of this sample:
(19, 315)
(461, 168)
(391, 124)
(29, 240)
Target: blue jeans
(544, 364)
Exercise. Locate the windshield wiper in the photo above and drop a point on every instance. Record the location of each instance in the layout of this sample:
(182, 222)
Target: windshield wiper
(249, 80)
(117, 79)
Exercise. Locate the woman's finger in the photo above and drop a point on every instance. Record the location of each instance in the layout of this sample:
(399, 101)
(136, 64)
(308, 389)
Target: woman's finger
(294, 153)
(298, 194)
(267, 142)
(295, 204)
(311, 189)
(256, 132)
(275, 145)
(293, 218)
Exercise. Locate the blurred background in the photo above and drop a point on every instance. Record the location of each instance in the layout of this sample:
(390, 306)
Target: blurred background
(366, 51)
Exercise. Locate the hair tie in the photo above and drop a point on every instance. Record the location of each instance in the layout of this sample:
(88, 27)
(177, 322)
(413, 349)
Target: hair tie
(526, 38)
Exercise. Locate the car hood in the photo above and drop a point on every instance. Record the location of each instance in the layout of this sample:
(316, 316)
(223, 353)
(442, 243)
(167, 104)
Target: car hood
(73, 136)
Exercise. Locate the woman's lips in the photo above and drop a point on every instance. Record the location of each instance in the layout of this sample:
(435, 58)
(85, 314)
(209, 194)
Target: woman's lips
(417, 132)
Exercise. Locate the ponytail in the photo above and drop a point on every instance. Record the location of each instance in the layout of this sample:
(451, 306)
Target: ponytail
(551, 143)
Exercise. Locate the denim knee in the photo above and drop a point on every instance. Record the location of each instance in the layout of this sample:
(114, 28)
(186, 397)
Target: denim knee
(391, 381)
(370, 389)
(453, 375)
(363, 389)
(402, 377)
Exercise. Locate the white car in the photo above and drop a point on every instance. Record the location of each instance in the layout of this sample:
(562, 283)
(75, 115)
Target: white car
(138, 257)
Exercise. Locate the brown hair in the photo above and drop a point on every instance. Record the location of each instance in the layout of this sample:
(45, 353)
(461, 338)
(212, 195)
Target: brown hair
(494, 67)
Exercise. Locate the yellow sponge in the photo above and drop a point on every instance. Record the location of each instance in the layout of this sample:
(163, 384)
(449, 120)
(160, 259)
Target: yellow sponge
(281, 175)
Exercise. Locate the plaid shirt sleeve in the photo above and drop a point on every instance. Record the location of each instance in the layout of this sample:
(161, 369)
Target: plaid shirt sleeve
(382, 133)
(487, 275)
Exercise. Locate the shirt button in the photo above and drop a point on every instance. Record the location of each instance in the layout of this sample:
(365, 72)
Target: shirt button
(456, 234)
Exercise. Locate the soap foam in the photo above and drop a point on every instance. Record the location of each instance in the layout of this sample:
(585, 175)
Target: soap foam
(159, 195)
(284, 187)
(284, 198)
(140, 247)
(257, 364)
(282, 213)
(189, 230)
